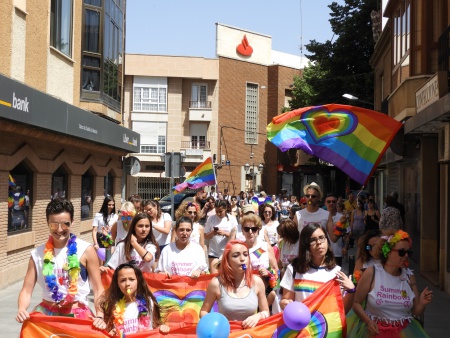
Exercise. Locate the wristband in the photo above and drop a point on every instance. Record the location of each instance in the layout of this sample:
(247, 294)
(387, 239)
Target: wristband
(351, 290)
(145, 255)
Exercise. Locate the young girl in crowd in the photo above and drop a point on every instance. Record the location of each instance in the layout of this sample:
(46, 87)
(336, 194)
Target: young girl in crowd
(128, 305)
(139, 246)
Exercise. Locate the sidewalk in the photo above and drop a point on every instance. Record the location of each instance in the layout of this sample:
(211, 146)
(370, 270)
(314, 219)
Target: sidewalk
(437, 323)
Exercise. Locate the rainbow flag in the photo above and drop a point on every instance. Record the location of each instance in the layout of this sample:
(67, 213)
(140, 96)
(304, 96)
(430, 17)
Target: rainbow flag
(258, 252)
(202, 176)
(12, 181)
(352, 138)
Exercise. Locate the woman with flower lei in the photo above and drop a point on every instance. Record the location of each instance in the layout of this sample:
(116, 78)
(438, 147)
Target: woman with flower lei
(102, 223)
(61, 267)
(119, 229)
(390, 292)
(129, 306)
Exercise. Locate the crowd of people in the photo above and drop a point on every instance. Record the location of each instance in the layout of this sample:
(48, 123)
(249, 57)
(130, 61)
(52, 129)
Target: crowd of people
(251, 243)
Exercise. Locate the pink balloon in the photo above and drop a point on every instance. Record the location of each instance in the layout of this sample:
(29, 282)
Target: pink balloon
(296, 316)
(101, 253)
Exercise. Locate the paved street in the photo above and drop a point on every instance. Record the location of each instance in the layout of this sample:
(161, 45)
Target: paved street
(437, 323)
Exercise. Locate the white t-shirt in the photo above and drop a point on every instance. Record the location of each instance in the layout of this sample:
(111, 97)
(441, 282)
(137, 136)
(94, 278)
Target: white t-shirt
(271, 232)
(288, 252)
(305, 217)
(62, 275)
(259, 256)
(160, 237)
(217, 243)
(305, 284)
(131, 321)
(182, 262)
(195, 233)
(99, 222)
(337, 247)
(118, 257)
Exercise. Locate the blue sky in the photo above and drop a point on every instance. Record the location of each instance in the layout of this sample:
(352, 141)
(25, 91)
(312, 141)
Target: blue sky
(187, 28)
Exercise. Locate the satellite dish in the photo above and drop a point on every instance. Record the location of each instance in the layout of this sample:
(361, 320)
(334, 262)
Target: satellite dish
(132, 165)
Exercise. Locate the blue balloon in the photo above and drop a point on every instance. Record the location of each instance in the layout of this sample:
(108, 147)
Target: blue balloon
(213, 325)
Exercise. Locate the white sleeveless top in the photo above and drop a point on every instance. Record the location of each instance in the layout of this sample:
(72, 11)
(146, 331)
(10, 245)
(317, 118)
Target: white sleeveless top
(259, 256)
(391, 298)
(62, 275)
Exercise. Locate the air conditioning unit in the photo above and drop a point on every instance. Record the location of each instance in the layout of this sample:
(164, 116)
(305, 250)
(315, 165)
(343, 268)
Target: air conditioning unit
(444, 143)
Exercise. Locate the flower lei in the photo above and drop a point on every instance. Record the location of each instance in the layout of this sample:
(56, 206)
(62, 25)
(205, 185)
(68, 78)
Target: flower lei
(106, 240)
(119, 313)
(356, 276)
(72, 265)
(392, 240)
(340, 228)
(273, 279)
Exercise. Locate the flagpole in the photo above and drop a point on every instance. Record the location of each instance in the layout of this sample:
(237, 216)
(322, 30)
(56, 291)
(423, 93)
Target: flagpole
(172, 165)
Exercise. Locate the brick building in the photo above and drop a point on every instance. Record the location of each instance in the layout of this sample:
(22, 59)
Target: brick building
(411, 65)
(60, 118)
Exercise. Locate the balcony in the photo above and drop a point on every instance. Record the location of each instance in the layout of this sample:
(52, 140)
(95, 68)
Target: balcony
(195, 151)
(200, 111)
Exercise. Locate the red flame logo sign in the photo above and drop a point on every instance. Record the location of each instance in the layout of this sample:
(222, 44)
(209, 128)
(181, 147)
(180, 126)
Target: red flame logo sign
(244, 48)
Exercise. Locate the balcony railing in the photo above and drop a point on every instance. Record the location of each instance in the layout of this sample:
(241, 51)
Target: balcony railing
(195, 145)
(200, 104)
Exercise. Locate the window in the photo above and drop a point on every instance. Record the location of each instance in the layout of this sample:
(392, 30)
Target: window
(198, 135)
(401, 31)
(150, 99)
(199, 96)
(19, 199)
(59, 184)
(61, 25)
(86, 195)
(108, 185)
(103, 51)
(251, 114)
(153, 136)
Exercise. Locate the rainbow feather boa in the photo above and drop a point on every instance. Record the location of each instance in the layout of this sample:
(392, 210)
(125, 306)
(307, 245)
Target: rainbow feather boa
(72, 265)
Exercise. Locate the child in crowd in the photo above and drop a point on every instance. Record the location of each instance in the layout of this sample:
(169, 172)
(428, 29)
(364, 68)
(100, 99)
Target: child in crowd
(128, 305)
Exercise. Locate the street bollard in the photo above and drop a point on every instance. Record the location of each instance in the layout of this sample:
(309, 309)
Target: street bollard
(351, 264)
(107, 256)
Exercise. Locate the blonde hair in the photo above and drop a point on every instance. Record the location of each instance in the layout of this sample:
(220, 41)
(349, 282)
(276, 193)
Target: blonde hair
(128, 206)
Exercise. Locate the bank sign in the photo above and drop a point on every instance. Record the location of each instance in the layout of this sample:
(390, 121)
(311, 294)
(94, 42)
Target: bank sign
(24, 104)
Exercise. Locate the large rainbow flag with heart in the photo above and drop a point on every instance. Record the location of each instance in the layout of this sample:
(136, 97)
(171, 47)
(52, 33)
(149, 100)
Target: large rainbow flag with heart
(352, 138)
(325, 304)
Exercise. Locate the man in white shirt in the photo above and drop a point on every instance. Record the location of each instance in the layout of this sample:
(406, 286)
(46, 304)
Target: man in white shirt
(312, 213)
(213, 193)
(339, 245)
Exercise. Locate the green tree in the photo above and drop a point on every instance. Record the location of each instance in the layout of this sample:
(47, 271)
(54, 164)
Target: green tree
(339, 66)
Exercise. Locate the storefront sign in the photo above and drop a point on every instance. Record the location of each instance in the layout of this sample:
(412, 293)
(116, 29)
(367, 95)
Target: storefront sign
(430, 92)
(194, 152)
(244, 48)
(24, 104)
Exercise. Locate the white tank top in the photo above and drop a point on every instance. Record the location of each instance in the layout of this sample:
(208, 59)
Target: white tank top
(62, 276)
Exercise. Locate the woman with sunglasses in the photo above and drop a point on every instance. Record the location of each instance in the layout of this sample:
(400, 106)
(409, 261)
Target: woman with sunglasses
(139, 246)
(192, 210)
(183, 257)
(261, 253)
(161, 222)
(220, 228)
(313, 267)
(119, 229)
(391, 294)
(238, 292)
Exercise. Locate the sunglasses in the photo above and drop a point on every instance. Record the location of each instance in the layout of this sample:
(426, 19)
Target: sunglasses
(331, 201)
(126, 218)
(310, 196)
(192, 212)
(55, 225)
(253, 229)
(403, 252)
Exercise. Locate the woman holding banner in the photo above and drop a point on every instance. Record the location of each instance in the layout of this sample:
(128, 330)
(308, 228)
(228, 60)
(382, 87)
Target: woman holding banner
(313, 267)
(237, 291)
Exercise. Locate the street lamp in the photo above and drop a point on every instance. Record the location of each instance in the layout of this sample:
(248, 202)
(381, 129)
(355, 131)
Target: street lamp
(354, 98)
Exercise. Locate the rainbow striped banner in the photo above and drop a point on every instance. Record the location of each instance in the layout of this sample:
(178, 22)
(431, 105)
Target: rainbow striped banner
(202, 176)
(353, 139)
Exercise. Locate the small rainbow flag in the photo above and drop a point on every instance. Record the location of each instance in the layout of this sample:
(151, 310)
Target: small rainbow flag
(258, 252)
(202, 176)
(12, 181)
(352, 138)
